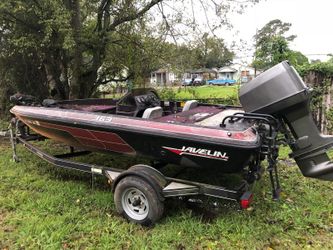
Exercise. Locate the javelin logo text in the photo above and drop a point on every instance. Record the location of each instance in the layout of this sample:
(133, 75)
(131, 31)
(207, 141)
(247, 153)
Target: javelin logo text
(199, 152)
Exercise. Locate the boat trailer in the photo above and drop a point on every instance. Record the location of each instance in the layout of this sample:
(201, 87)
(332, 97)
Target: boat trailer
(281, 115)
(145, 176)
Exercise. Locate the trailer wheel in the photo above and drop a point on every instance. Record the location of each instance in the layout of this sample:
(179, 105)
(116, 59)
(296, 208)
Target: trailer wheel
(137, 201)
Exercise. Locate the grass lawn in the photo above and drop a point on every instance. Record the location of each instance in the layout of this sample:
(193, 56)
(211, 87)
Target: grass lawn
(206, 91)
(43, 207)
(199, 92)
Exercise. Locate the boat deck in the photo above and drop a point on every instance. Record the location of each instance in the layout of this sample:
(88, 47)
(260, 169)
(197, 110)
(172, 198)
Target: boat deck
(201, 115)
(206, 116)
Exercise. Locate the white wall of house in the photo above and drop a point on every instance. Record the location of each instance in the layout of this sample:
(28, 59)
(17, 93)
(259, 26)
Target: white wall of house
(172, 77)
(227, 75)
(162, 78)
(244, 73)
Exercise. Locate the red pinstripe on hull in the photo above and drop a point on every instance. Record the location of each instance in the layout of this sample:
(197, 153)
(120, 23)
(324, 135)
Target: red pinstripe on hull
(90, 138)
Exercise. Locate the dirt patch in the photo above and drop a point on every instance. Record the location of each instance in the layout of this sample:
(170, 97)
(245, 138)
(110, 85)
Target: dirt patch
(7, 230)
(2, 216)
(3, 227)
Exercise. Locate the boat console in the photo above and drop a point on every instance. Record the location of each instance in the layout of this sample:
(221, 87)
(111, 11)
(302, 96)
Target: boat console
(135, 102)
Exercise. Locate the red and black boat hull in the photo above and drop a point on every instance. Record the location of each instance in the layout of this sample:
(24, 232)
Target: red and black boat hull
(185, 145)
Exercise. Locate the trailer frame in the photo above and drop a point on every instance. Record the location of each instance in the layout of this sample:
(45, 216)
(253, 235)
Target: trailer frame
(175, 186)
(144, 177)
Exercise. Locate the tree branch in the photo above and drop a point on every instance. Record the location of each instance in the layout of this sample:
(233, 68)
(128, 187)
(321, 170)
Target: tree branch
(168, 27)
(114, 80)
(100, 14)
(132, 16)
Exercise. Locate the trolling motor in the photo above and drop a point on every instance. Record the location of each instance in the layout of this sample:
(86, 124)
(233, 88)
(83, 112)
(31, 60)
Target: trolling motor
(281, 92)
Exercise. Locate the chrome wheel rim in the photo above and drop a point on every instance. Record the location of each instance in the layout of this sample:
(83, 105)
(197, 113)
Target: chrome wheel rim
(135, 204)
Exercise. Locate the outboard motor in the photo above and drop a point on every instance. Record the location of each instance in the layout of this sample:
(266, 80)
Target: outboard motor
(281, 92)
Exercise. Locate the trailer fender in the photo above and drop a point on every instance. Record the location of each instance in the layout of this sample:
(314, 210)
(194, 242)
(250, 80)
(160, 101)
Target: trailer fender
(152, 176)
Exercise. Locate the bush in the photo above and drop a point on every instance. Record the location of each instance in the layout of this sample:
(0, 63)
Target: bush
(167, 94)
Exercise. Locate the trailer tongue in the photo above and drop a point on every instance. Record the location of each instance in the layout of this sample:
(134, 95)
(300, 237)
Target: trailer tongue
(195, 135)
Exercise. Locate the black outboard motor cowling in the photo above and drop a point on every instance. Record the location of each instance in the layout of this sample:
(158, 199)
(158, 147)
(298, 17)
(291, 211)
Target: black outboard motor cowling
(281, 92)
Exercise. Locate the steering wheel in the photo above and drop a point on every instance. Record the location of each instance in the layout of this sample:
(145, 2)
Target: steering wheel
(136, 101)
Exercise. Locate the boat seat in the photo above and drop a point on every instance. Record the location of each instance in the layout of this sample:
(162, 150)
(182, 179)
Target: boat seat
(190, 105)
(151, 113)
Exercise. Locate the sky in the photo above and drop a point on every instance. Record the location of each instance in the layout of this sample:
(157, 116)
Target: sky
(311, 23)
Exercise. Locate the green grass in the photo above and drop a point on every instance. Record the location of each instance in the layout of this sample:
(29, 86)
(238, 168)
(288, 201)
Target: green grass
(229, 94)
(203, 92)
(200, 92)
(4, 124)
(43, 207)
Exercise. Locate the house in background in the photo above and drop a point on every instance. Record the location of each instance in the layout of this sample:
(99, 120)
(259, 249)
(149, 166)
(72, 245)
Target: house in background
(240, 73)
(163, 77)
(227, 73)
(202, 73)
(245, 73)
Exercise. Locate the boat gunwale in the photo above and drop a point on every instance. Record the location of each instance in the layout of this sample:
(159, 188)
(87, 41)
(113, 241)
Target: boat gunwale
(126, 127)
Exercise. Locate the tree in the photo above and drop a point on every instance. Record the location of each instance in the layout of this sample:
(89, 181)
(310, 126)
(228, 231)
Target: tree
(212, 52)
(178, 58)
(205, 52)
(272, 46)
(73, 46)
(70, 37)
(274, 28)
(274, 51)
(297, 58)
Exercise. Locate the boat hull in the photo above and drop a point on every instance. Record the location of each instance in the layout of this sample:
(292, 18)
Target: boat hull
(189, 146)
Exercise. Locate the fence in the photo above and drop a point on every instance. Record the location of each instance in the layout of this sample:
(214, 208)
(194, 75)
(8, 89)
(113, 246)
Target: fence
(321, 102)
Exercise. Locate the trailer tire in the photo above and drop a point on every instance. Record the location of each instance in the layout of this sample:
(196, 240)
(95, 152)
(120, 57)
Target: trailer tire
(137, 201)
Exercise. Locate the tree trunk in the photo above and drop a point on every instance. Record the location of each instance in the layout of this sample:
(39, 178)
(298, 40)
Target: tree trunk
(56, 74)
(76, 89)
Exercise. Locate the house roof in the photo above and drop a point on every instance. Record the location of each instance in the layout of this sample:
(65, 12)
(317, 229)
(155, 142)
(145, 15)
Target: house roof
(227, 69)
(161, 70)
(203, 70)
(241, 67)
